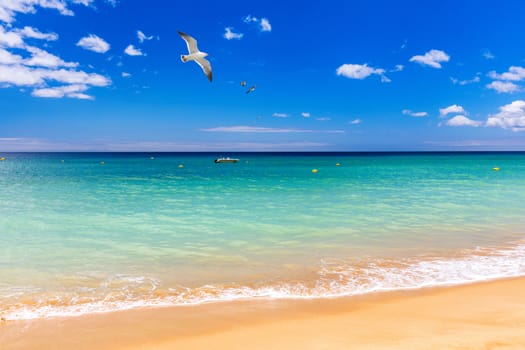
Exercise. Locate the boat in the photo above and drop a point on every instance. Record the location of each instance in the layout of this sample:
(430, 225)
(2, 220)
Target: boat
(226, 160)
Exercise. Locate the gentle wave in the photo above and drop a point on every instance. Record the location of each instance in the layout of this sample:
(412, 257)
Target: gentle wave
(335, 278)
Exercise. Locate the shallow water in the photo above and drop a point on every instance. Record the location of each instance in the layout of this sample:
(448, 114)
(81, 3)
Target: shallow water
(79, 236)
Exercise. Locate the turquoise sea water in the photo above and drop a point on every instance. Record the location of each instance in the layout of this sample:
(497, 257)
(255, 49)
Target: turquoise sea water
(78, 236)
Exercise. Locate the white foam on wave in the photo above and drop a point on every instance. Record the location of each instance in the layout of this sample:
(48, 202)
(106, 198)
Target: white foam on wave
(336, 278)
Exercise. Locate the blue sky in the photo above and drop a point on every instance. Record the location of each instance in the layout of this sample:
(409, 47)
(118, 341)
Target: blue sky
(99, 75)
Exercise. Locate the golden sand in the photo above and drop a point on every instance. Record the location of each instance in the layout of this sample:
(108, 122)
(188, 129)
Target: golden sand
(479, 316)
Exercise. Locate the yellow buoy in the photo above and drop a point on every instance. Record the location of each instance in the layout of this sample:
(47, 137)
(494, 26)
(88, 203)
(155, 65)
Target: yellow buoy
(3, 158)
(314, 171)
(495, 168)
(181, 165)
(337, 164)
(62, 161)
(102, 163)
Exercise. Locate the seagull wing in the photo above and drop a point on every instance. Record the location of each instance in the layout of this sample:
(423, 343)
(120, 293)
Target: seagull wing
(190, 42)
(206, 67)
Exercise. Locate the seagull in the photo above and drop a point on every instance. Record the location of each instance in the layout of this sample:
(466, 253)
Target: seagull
(195, 55)
(243, 83)
(250, 89)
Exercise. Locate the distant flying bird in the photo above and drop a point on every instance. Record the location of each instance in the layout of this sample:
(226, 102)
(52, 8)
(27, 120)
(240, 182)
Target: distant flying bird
(243, 83)
(250, 89)
(195, 55)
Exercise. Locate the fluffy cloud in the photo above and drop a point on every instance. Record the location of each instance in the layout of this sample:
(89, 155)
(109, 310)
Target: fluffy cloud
(281, 115)
(514, 73)
(356, 121)
(11, 38)
(461, 120)
(414, 114)
(94, 43)
(143, 37)
(24, 65)
(510, 116)
(433, 58)
(306, 114)
(42, 58)
(229, 34)
(451, 109)
(132, 51)
(30, 32)
(9, 8)
(7, 57)
(358, 71)
(264, 23)
(126, 75)
(74, 91)
(503, 87)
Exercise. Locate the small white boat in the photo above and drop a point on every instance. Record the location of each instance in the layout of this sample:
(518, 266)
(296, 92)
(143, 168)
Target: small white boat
(226, 160)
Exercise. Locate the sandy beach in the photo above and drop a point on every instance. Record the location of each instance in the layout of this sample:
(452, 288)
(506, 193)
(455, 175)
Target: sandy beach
(488, 315)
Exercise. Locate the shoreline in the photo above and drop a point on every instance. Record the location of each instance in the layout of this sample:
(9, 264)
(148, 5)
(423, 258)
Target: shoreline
(481, 315)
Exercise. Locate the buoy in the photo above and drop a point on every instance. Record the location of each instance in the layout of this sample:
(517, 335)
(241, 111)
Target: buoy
(337, 164)
(2, 159)
(151, 158)
(181, 165)
(62, 161)
(495, 168)
(314, 171)
(102, 163)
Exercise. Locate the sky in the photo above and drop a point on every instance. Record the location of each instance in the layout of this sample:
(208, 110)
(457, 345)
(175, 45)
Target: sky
(354, 75)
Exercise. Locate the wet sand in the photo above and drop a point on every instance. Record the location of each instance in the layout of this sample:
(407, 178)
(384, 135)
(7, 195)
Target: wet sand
(488, 315)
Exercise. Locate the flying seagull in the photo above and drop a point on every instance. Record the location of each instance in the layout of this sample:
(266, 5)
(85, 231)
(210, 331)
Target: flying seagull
(250, 89)
(243, 83)
(195, 55)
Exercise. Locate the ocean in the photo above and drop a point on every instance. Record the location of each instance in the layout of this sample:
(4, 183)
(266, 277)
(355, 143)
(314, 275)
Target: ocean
(96, 232)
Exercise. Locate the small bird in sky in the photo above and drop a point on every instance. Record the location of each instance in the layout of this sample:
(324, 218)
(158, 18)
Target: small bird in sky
(243, 83)
(251, 89)
(195, 55)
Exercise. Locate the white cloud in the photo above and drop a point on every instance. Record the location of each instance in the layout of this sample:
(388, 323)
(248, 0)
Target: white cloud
(306, 114)
(503, 87)
(358, 71)
(455, 81)
(323, 119)
(94, 43)
(398, 68)
(510, 116)
(11, 38)
(414, 114)
(7, 57)
(264, 23)
(30, 32)
(461, 120)
(451, 109)
(132, 51)
(142, 37)
(256, 129)
(281, 115)
(229, 34)
(515, 73)
(126, 75)
(356, 121)
(42, 58)
(24, 65)
(432, 58)
(72, 91)
(9, 8)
